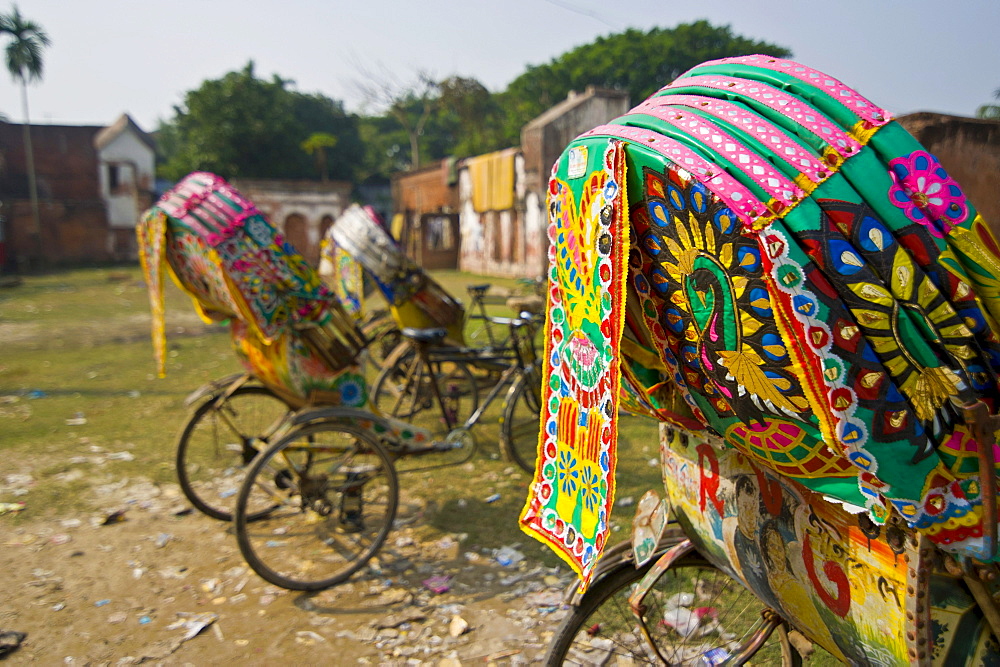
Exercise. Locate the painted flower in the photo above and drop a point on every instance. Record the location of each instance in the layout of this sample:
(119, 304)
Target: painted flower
(352, 389)
(567, 473)
(590, 485)
(583, 350)
(925, 192)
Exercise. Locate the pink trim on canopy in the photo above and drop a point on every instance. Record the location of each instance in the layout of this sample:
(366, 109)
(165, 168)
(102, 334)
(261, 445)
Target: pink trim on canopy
(737, 197)
(850, 98)
(732, 149)
(218, 219)
(781, 102)
(769, 134)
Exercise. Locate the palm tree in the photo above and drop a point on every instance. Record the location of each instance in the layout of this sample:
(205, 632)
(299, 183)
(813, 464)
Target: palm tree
(24, 62)
(990, 111)
(316, 144)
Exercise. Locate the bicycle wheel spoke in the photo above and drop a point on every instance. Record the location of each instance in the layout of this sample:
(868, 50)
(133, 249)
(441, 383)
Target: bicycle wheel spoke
(520, 422)
(332, 494)
(218, 440)
(694, 613)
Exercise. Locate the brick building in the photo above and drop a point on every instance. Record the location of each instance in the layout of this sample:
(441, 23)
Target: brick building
(486, 214)
(92, 183)
(426, 214)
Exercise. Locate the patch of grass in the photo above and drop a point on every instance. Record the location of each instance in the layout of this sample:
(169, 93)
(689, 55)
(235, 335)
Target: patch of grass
(77, 344)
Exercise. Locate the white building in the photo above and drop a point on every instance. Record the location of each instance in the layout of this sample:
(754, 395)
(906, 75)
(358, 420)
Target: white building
(126, 161)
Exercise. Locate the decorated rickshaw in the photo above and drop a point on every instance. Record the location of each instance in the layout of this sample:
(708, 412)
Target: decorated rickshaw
(363, 245)
(329, 484)
(294, 450)
(766, 262)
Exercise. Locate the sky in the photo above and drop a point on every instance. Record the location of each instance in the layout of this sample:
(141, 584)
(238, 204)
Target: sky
(112, 56)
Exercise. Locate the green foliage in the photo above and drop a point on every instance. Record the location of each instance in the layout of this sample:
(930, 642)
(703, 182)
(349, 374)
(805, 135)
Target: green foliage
(240, 125)
(990, 111)
(635, 61)
(474, 113)
(386, 149)
(317, 145)
(461, 118)
(23, 53)
(318, 142)
(319, 114)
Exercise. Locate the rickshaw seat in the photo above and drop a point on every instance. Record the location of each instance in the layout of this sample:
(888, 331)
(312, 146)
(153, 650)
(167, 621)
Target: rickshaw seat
(435, 335)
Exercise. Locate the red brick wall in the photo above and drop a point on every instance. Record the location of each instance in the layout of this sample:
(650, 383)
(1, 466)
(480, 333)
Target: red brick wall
(65, 162)
(75, 232)
(421, 195)
(424, 191)
(72, 216)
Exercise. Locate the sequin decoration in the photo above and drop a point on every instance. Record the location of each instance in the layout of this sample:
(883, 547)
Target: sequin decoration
(833, 338)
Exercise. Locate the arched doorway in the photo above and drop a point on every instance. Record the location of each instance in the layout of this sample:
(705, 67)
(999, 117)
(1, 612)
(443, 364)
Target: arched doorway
(324, 226)
(297, 233)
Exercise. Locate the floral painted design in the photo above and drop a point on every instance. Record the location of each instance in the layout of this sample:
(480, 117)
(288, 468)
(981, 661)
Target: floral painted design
(352, 390)
(567, 473)
(926, 193)
(592, 489)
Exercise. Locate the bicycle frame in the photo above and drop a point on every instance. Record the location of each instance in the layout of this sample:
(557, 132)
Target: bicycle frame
(512, 358)
(221, 388)
(477, 293)
(505, 379)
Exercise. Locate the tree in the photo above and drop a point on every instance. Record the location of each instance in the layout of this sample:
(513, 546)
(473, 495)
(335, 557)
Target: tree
(384, 141)
(235, 126)
(24, 60)
(410, 103)
(316, 145)
(241, 125)
(635, 61)
(478, 117)
(319, 114)
(990, 111)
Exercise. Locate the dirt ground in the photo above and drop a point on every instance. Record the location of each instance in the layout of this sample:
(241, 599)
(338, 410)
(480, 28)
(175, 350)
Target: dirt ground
(92, 591)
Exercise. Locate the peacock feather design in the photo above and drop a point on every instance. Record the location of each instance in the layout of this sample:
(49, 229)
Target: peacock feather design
(581, 241)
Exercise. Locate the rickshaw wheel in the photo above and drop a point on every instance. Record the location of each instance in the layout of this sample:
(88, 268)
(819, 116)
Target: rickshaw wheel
(404, 389)
(316, 506)
(384, 336)
(696, 614)
(519, 424)
(218, 441)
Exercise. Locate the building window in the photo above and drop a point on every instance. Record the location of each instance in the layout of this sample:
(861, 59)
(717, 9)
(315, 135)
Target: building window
(114, 177)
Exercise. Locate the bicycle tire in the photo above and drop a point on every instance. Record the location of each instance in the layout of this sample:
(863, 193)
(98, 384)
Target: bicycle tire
(324, 498)
(520, 420)
(403, 390)
(219, 440)
(602, 625)
(385, 336)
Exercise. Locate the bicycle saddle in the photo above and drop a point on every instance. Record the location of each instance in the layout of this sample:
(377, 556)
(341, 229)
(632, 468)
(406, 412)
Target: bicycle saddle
(425, 335)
